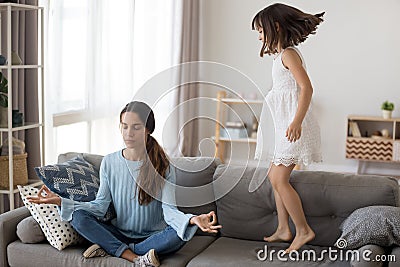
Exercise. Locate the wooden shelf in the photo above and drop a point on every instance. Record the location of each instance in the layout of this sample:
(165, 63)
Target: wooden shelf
(371, 118)
(372, 149)
(222, 102)
(238, 140)
(241, 101)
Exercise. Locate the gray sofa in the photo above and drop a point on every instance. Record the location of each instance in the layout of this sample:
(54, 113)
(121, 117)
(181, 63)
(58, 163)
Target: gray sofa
(246, 210)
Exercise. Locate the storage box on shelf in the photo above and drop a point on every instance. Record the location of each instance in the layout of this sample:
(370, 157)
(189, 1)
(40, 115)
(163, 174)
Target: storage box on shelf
(20, 171)
(221, 138)
(373, 139)
(16, 171)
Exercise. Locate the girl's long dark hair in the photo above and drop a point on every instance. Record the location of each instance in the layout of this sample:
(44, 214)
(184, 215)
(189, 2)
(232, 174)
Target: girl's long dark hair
(152, 173)
(294, 26)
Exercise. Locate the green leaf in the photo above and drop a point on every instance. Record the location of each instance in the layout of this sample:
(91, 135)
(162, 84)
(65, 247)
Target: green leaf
(3, 101)
(3, 84)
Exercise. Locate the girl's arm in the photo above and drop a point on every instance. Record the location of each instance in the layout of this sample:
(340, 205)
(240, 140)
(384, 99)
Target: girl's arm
(292, 61)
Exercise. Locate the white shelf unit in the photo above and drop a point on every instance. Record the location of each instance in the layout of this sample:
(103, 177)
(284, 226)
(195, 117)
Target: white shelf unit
(6, 10)
(221, 142)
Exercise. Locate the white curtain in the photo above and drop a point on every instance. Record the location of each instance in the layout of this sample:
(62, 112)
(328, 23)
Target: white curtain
(98, 54)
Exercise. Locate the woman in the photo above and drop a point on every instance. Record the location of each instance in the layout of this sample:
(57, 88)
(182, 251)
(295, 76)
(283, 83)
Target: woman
(139, 181)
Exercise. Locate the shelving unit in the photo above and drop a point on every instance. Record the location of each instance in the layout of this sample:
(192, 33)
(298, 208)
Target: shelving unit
(366, 147)
(6, 10)
(221, 142)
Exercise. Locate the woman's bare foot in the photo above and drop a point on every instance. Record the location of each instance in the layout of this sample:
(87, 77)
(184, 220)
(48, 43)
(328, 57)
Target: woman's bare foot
(283, 235)
(301, 238)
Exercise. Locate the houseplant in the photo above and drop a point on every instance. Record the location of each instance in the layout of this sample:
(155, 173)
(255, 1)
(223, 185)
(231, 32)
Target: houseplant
(387, 108)
(3, 99)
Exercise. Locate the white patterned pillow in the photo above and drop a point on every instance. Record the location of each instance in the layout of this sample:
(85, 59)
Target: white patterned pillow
(378, 225)
(60, 234)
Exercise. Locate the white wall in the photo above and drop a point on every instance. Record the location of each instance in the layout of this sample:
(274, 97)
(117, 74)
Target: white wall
(353, 61)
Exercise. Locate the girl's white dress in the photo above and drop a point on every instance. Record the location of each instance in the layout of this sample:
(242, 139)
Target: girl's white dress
(282, 101)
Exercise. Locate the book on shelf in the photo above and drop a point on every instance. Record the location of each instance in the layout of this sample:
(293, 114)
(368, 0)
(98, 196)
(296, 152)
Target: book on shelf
(355, 130)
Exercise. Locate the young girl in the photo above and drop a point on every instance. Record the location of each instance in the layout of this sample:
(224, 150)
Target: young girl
(136, 179)
(297, 137)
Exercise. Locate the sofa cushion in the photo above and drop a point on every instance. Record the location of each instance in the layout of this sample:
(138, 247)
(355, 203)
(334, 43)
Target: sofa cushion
(379, 225)
(75, 179)
(194, 179)
(236, 252)
(393, 257)
(29, 231)
(60, 234)
(44, 255)
(327, 198)
(369, 256)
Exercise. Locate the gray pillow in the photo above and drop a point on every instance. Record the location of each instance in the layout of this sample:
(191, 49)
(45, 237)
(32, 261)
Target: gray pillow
(28, 230)
(379, 225)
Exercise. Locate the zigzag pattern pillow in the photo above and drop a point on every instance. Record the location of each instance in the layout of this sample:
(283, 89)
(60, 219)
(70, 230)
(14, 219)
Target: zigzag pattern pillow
(75, 179)
(60, 234)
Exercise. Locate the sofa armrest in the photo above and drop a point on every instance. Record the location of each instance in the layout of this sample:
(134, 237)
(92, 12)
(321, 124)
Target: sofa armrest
(8, 229)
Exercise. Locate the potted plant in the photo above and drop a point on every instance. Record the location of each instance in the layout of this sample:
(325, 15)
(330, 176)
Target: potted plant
(387, 108)
(3, 99)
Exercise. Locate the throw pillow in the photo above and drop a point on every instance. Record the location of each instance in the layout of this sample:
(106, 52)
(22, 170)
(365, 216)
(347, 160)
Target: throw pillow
(28, 231)
(75, 179)
(379, 225)
(60, 234)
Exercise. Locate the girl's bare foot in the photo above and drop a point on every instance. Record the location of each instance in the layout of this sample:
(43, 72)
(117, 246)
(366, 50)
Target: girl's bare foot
(279, 236)
(301, 238)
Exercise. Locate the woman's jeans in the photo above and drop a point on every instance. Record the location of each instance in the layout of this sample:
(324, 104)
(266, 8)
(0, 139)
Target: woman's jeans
(115, 243)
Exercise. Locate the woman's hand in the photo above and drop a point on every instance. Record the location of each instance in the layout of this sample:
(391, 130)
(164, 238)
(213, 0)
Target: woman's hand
(45, 196)
(206, 222)
(293, 132)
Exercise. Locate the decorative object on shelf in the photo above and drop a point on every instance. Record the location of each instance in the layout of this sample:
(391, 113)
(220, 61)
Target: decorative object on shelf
(17, 118)
(387, 109)
(369, 149)
(17, 145)
(3, 60)
(376, 135)
(385, 133)
(234, 130)
(3, 100)
(15, 59)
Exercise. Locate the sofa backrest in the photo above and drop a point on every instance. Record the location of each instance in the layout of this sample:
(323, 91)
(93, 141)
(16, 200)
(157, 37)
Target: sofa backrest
(94, 159)
(194, 176)
(327, 198)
